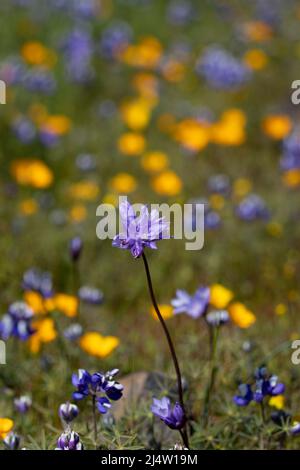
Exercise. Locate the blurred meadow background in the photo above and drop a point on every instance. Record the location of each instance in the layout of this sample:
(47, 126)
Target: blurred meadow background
(162, 101)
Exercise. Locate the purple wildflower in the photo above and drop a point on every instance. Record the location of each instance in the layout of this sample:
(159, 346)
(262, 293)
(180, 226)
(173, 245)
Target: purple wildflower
(23, 404)
(221, 70)
(17, 322)
(38, 281)
(140, 231)
(90, 295)
(174, 417)
(102, 387)
(76, 246)
(69, 440)
(193, 305)
(68, 412)
(245, 396)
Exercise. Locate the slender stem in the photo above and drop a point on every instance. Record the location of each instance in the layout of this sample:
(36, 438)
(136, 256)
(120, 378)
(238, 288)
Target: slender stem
(170, 343)
(213, 371)
(263, 414)
(95, 419)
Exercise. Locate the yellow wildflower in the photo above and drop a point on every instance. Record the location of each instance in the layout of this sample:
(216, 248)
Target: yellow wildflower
(84, 190)
(146, 54)
(136, 114)
(123, 183)
(165, 309)
(6, 426)
(291, 178)
(31, 172)
(28, 206)
(35, 53)
(67, 304)
(131, 143)
(97, 345)
(220, 296)
(277, 126)
(256, 59)
(78, 213)
(192, 134)
(45, 333)
(277, 402)
(167, 183)
(154, 162)
(57, 124)
(241, 316)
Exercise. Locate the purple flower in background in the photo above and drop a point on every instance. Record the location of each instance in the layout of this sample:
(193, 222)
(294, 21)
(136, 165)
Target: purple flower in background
(172, 417)
(180, 12)
(90, 295)
(217, 317)
(193, 305)
(219, 184)
(69, 440)
(73, 332)
(102, 387)
(245, 395)
(68, 412)
(76, 246)
(38, 281)
(140, 231)
(78, 49)
(291, 152)
(221, 70)
(40, 81)
(212, 220)
(23, 404)
(252, 208)
(17, 322)
(115, 38)
(24, 130)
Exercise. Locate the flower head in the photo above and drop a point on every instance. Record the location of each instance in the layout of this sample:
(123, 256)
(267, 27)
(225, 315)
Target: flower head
(37, 281)
(12, 441)
(264, 385)
(193, 305)
(140, 231)
(23, 403)
(17, 322)
(69, 440)
(174, 417)
(6, 426)
(76, 245)
(68, 412)
(101, 386)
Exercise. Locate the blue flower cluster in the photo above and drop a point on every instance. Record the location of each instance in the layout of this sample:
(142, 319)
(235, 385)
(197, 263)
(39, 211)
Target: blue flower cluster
(265, 385)
(102, 387)
(221, 70)
(17, 322)
(251, 208)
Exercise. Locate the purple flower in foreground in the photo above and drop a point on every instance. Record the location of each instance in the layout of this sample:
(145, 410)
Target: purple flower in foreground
(69, 440)
(68, 411)
(193, 305)
(140, 231)
(172, 417)
(12, 441)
